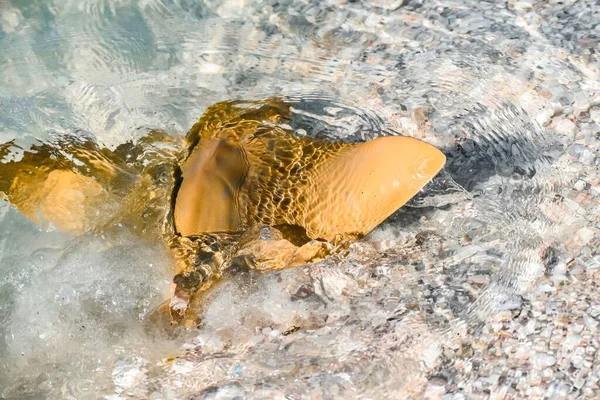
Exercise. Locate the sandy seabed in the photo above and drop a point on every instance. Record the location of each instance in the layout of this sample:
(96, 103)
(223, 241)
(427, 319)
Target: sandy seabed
(490, 292)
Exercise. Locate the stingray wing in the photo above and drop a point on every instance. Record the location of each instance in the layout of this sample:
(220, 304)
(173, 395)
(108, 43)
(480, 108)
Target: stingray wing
(330, 188)
(272, 177)
(357, 189)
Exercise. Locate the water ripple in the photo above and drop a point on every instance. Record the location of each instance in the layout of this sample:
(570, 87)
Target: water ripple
(507, 99)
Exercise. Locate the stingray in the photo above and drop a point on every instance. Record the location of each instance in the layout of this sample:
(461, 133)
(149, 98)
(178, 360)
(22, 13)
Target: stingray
(242, 189)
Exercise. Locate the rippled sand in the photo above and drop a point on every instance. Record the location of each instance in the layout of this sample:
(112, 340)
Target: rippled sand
(491, 291)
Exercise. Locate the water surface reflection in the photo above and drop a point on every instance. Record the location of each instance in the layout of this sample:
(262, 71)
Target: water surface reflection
(417, 306)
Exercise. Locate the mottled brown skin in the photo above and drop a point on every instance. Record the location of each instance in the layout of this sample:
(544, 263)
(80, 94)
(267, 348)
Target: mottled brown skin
(247, 192)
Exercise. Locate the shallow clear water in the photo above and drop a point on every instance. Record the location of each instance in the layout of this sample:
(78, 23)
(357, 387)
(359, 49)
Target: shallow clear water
(493, 85)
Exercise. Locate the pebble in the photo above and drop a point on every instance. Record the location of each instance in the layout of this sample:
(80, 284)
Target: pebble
(590, 322)
(580, 185)
(542, 361)
(544, 117)
(468, 145)
(547, 374)
(521, 5)
(587, 157)
(9, 20)
(503, 316)
(575, 151)
(571, 341)
(558, 390)
(479, 280)
(595, 112)
(577, 361)
(386, 4)
(584, 236)
(577, 327)
(579, 382)
(565, 126)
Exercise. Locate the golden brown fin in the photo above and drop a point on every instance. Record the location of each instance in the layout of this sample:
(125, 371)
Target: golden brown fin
(78, 186)
(328, 188)
(58, 182)
(207, 198)
(357, 189)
